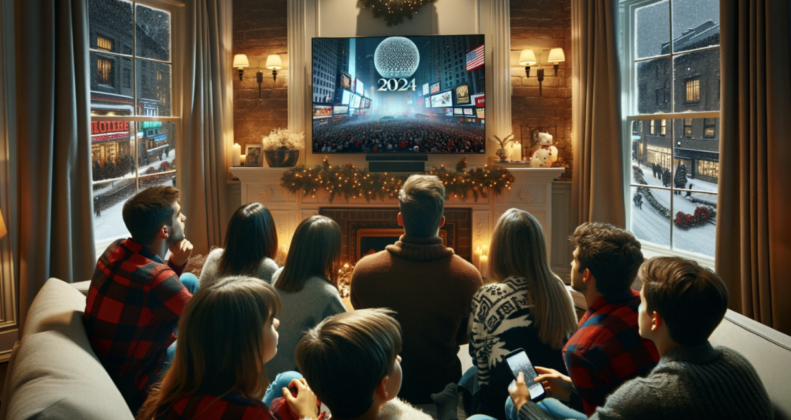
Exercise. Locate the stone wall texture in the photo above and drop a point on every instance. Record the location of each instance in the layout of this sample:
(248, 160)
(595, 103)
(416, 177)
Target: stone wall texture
(259, 29)
(541, 25)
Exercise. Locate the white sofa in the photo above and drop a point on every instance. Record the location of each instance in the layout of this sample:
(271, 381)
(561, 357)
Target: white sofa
(54, 374)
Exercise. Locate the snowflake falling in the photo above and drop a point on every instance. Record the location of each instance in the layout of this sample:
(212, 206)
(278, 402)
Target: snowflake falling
(396, 57)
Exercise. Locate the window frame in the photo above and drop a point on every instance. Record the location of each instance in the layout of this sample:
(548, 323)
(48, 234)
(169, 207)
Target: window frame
(177, 27)
(629, 110)
(684, 131)
(713, 127)
(687, 81)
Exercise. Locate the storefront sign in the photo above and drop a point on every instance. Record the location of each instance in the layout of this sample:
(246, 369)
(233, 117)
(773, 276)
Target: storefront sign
(106, 137)
(101, 127)
(480, 101)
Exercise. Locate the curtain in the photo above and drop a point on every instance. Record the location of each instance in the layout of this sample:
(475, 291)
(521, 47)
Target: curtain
(753, 225)
(53, 149)
(207, 107)
(597, 188)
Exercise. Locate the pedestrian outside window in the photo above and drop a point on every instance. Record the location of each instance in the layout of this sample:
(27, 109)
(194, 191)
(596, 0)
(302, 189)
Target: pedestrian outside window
(672, 46)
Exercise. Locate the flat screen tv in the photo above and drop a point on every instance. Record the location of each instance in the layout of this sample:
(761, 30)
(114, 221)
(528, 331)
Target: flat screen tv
(409, 89)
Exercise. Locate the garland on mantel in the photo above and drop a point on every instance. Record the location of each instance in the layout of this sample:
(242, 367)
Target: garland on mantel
(350, 182)
(394, 11)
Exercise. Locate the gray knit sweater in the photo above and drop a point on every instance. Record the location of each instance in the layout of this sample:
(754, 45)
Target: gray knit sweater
(300, 312)
(693, 382)
(210, 272)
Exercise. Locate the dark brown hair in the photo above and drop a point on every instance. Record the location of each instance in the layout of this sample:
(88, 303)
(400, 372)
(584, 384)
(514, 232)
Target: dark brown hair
(611, 254)
(315, 251)
(250, 238)
(345, 357)
(149, 210)
(221, 344)
(422, 203)
(691, 299)
(518, 248)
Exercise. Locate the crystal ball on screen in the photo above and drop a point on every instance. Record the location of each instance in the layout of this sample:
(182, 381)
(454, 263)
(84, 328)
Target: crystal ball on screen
(396, 57)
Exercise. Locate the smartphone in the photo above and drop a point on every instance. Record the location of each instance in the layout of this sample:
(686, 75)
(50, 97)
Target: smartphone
(519, 362)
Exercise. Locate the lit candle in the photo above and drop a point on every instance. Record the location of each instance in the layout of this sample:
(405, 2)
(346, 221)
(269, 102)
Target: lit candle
(476, 257)
(237, 154)
(242, 159)
(484, 268)
(516, 151)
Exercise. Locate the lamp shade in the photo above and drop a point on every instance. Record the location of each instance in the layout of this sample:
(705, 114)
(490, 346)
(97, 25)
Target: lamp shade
(527, 58)
(556, 55)
(240, 61)
(3, 230)
(273, 62)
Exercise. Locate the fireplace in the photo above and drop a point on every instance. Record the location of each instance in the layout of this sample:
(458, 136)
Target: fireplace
(369, 230)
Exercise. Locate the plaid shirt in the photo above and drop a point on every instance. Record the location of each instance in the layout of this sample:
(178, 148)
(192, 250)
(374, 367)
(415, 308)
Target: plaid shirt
(235, 405)
(607, 349)
(133, 307)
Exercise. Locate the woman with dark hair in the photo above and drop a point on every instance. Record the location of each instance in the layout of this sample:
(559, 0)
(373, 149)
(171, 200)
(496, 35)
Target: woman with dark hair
(307, 286)
(250, 246)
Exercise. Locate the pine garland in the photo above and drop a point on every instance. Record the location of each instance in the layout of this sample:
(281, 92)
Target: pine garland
(349, 182)
(394, 11)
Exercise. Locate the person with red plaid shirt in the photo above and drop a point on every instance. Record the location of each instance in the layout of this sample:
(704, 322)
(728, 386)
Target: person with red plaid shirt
(229, 331)
(135, 298)
(607, 349)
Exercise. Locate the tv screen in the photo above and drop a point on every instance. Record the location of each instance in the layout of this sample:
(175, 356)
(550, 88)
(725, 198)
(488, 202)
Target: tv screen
(414, 84)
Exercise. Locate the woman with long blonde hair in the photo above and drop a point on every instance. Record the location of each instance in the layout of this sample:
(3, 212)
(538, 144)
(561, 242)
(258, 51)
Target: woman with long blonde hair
(527, 306)
(226, 334)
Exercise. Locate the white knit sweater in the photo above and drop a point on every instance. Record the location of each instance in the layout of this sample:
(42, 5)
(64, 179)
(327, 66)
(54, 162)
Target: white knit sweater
(210, 272)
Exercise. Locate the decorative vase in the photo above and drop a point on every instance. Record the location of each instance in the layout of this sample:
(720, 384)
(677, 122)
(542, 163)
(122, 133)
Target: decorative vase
(281, 158)
(503, 154)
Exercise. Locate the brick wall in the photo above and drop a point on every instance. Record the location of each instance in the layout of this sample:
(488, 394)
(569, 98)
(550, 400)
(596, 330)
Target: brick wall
(541, 25)
(259, 29)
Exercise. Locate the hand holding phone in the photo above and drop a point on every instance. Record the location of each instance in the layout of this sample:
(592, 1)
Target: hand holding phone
(520, 364)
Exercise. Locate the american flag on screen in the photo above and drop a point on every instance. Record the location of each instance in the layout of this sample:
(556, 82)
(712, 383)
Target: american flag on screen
(475, 58)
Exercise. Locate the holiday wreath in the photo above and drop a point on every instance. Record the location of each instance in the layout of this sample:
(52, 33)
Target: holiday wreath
(350, 182)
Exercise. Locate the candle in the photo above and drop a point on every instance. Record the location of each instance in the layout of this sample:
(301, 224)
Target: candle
(476, 257)
(484, 268)
(516, 151)
(237, 154)
(242, 160)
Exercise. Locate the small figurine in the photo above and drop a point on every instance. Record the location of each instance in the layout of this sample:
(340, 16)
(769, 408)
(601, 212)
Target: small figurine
(546, 154)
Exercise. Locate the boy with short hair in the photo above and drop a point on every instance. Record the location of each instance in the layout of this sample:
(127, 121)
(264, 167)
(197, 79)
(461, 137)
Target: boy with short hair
(351, 363)
(681, 305)
(135, 298)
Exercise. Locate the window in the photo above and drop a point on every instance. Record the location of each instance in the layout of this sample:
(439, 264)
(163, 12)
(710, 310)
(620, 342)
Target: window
(693, 90)
(674, 182)
(105, 71)
(687, 127)
(708, 127)
(134, 128)
(104, 44)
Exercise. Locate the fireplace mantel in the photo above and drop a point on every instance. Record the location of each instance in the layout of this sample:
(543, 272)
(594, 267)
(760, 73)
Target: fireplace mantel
(531, 191)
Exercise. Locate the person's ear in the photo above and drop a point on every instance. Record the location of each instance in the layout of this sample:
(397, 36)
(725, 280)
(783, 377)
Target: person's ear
(400, 220)
(442, 221)
(381, 389)
(163, 232)
(586, 275)
(656, 321)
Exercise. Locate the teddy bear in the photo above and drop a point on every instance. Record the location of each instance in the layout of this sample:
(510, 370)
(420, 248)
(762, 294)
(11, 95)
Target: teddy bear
(546, 154)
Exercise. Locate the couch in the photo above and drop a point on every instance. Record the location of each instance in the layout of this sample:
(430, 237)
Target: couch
(54, 374)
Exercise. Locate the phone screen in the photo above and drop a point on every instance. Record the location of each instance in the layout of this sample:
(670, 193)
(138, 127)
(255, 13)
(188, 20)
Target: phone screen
(519, 362)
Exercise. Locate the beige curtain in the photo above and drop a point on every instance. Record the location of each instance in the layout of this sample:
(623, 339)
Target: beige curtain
(207, 107)
(597, 189)
(754, 208)
(53, 148)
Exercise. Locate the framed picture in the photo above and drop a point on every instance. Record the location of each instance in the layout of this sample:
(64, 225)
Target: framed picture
(255, 155)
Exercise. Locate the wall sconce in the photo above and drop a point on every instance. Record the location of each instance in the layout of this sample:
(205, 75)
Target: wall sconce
(556, 56)
(527, 59)
(273, 62)
(240, 62)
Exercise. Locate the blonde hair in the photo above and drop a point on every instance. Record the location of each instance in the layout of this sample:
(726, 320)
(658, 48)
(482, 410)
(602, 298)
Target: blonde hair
(518, 248)
(221, 344)
(422, 203)
(345, 357)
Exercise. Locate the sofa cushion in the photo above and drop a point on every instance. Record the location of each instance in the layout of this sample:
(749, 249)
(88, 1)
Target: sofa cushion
(54, 372)
(768, 350)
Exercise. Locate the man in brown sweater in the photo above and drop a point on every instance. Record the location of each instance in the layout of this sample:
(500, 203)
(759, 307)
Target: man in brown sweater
(427, 285)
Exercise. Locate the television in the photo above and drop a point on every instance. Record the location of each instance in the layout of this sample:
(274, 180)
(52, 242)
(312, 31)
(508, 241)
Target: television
(417, 104)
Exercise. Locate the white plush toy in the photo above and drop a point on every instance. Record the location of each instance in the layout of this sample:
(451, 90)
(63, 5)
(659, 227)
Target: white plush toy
(546, 154)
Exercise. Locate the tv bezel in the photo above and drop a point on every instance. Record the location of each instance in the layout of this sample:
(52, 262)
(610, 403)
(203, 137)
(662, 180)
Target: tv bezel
(427, 98)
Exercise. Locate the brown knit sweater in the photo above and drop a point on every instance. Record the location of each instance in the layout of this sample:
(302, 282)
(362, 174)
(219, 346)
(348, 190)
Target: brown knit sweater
(430, 288)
